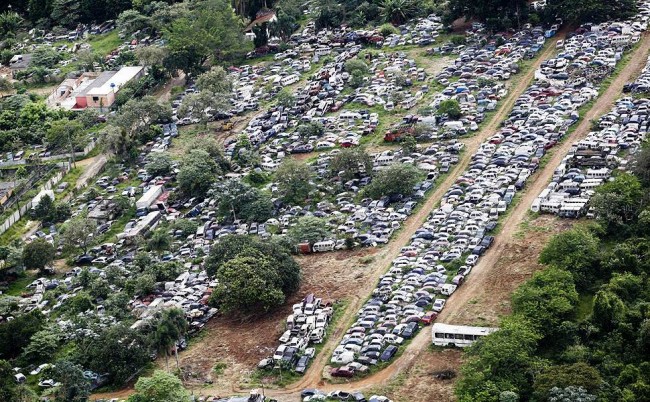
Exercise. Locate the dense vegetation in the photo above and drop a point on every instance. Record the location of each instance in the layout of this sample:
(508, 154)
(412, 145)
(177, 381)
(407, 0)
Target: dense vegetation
(581, 327)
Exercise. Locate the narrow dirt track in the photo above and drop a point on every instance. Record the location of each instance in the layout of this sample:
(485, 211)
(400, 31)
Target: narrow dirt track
(313, 378)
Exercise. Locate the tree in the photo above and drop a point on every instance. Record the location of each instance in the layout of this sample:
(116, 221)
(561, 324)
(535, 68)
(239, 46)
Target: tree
(158, 164)
(160, 241)
(309, 229)
(186, 226)
(408, 144)
(397, 179)
(118, 350)
(593, 11)
(356, 79)
(351, 163)
(499, 362)
(210, 31)
(17, 333)
(74, 386)
(570, 393)
(618, 202)
(293, 180)
(7, 382)
(197, 173)
(197, 105)
(66, 135)
(497, 14)
(608, 310)
(216, 81)
(137, 115)
(547, 299)
(212, 147)
(397, 11)
(151, 55)
(79, 232)
(130, 21)
(38, 254)
(310, 130)
(117, 141)
(571, 375)
(576, 251)
(160, 387)
(239, 200)
(353, 65)
(285, 98)
(451, 108)
(45, 57)
(10, 21)
(42, 346)
(248, 285)
(231, 247)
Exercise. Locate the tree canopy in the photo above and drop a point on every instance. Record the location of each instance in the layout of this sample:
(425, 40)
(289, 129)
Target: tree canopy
(398, 178)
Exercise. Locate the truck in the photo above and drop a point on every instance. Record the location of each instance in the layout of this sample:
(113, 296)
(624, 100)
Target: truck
(148, 198)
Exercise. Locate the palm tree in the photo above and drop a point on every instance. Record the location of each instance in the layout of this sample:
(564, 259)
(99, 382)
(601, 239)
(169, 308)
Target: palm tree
(397, 11)
(175, 318)
(164, 339)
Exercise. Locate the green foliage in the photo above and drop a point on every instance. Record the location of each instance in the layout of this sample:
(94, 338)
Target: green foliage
(130, 21)
(285, 98)
(498, 14)
(79, 232)
(618, 202)
(248, 285)
(503, 361)
(238, 200)
(158, 164)
(397, 179)
(593, 11)
(159, 241)
(353, 65)
(210, 31)
(562, 376)
(397, 12)
(45, 57)
(451, 108)
(277, 254)
(294, 181)
(187, 226)
(310, 130)
(74, 386)
(118, 350)
(387, 29)
(137, 115)
(41, 347)
(576, 251)
(160, 387)
(548, 298)
(309, 229)
(197, 173)
(17, 333)
(351, 163)
(409, 144)
(38, 254)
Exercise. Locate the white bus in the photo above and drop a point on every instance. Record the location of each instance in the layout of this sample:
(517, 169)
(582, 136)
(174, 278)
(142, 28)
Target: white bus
(457, 335)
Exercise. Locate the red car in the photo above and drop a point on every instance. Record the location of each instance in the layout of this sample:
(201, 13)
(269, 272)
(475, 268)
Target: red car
(428, 317)
(341, 372)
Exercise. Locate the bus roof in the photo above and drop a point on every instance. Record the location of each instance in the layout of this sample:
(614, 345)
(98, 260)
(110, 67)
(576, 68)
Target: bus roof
(461, 329)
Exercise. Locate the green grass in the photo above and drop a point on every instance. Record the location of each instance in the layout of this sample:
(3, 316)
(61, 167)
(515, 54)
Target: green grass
(104, 44)
(17, 287)
(219, 368)
(585, 306)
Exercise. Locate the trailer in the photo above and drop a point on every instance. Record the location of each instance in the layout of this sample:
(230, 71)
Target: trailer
(149, 197)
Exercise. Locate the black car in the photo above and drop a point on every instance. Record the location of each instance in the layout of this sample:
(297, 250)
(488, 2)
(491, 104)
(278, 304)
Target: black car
(84, 259)
(410, 330)
(309, 392)
(388, 353)
(302, 364)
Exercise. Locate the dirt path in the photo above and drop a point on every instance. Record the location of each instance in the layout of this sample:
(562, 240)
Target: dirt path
(164, 94)
(93, 166)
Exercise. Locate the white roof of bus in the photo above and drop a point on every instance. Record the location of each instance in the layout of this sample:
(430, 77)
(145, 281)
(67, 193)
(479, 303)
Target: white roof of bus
(461, 329)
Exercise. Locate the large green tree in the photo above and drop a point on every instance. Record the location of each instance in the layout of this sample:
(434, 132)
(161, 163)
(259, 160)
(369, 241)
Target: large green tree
(398, 178)
(38, 254)
(351, 163)
(197, 173)
(294, 181)
(238, 200)
(210, 31)
(160, 387)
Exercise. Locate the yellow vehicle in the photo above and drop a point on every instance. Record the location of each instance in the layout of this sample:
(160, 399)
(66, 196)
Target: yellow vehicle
(228, 125)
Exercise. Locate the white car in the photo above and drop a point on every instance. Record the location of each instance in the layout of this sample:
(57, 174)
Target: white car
(439, 304)
(38, 369)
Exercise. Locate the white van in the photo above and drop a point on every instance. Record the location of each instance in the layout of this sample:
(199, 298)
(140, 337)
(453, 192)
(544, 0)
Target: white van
(321, 246)
(289, 79)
